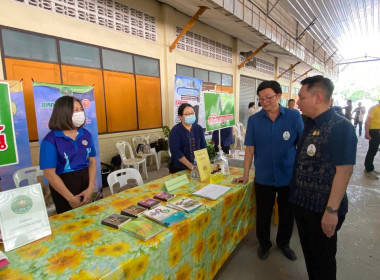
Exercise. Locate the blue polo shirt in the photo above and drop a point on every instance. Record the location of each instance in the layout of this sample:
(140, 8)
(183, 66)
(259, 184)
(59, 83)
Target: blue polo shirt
(328, 140)
(64, 154)
(275, 145)
(179, 141)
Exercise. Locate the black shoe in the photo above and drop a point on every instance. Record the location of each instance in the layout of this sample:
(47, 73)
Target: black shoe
(289, 253)
(263, 253)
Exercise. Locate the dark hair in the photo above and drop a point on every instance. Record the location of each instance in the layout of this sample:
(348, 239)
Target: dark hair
(251, 104)
(319, 83)
(182, 108)
(270, 84)
(61, 118)
(291, 100)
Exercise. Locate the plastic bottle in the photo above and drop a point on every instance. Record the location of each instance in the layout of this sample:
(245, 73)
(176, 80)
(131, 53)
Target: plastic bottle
(222, 161)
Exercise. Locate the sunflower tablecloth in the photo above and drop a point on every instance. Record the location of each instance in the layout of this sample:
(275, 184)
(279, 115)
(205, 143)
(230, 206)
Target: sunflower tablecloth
(81, 248)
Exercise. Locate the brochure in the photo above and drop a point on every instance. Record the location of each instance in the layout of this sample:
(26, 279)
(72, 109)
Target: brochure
(212, 191)
(184, 203)
(165, 216)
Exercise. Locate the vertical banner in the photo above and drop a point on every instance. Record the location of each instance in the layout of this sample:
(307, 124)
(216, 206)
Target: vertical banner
(219, 110)
(189, 90)
(20, 132)
(45, 96)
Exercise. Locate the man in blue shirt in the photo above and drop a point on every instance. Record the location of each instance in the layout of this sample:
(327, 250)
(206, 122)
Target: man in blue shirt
(326, 154)
(272, 135)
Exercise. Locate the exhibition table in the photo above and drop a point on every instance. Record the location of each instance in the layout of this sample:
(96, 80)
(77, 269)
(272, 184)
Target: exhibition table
(81, 248)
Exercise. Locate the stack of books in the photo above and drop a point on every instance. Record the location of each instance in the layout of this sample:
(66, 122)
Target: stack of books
(165, 216)
(115, 221)
(142, 228)
(184, 203)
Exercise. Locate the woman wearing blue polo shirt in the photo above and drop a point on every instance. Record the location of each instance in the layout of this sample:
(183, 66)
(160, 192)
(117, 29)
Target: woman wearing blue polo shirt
(67, 156)
(185, 138)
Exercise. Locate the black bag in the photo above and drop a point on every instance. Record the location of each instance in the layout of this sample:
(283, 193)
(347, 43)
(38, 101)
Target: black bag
(116, 161)
(106, 170)
(160, 145)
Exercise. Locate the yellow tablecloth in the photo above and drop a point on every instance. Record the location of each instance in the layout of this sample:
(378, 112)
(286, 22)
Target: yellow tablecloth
(81, 248)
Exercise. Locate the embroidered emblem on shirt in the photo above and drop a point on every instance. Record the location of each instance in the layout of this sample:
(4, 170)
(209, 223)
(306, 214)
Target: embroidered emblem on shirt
(286, 135)
(311, 150)
(84, 142)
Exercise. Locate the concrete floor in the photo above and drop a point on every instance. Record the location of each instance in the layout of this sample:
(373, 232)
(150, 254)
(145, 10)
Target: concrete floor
(358, 254)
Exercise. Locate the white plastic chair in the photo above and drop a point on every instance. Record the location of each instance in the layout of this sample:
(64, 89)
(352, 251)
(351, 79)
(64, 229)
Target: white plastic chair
(239, 140)
(131, 161)
(30, 174)
(136, 140)
(121, 176)
(153, 138)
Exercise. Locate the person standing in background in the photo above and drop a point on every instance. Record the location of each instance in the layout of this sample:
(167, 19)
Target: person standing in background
(227, 139)
(291, 103)
(251, 109)
(372, 133)
(272, 136)
(326, 155)
(348, 110)
(358, 118)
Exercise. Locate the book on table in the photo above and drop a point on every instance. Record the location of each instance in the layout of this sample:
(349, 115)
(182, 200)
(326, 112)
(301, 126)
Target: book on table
(142, 228)
(212, 191)
(149, 203)
(134, 211)
(115, 221)
(3, 260)
(165, 215)
(184, 203)
(164, 196)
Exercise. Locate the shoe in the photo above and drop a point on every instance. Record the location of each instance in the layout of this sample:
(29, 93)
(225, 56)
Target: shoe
(263, 253)
(371, 174)
(376, 172)
(289, 253)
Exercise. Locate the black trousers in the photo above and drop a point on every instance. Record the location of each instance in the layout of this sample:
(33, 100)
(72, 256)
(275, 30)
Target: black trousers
(265, 197)
(360, 123)
(319, 251)
(372, 149)
(76, 182)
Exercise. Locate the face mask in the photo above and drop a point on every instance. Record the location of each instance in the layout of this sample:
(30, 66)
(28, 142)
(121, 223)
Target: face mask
(190, 119)
(78, 119)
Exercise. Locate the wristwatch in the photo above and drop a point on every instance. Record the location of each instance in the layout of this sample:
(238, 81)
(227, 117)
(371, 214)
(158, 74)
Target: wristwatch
(331, 211)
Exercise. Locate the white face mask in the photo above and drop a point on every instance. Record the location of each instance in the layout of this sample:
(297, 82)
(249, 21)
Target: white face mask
(78, 118)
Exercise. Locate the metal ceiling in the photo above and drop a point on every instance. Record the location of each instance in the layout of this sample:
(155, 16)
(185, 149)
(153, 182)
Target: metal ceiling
(348, 29)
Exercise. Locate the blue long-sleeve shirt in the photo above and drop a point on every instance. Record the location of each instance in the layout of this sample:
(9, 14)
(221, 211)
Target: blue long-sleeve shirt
(180, 143)
(225, 134)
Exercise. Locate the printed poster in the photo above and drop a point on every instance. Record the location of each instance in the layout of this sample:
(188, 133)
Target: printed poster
(45, 96)
(189, 90)
(21, 134)
(219, 110)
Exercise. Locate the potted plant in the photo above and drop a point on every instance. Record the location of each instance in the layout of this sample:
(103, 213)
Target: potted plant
(166, 131)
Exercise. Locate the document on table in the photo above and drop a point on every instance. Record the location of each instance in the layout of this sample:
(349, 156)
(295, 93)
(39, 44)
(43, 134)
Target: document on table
(212, 191)
(23, 216)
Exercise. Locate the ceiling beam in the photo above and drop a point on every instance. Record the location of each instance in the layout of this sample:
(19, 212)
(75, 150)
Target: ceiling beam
(321, 45)
(358, 61)
(330, 56)
(274, 5)
(252, 55)
(290, 68)
(187, 27)
(306, 29)
(302, 75)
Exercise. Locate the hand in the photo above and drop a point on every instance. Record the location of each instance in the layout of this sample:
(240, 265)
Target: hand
(328, 223)
(75, 202)
(242, 180)
(86, 194)
(367, 136)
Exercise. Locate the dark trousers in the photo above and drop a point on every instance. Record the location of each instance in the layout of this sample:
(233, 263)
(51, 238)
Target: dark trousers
(360, 123)
(76, 182)
(319, 251)
(265, 196)
(225, 149)
(372, 149)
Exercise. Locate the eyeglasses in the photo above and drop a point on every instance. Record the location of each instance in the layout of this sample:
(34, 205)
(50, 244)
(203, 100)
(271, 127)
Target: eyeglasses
(269, 98)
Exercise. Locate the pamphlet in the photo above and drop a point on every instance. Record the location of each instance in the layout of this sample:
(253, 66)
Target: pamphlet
(203, 164)
(165, 216)
(184, 203)
(23, 216)
(212, 191)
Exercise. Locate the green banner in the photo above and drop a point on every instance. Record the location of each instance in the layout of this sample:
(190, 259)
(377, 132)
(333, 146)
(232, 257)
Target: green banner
(8, 146)
(219, 110)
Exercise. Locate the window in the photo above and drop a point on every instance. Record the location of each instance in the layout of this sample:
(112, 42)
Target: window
(201, 74)
(79, 54)
(117, 61)
(23, 45)
(215, 78)
(146, 66)
(226, 80)
(185, 71)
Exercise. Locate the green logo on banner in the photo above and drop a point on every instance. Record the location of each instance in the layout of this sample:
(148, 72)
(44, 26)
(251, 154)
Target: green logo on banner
(219, 110)
(21, 204)
(8, 146)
